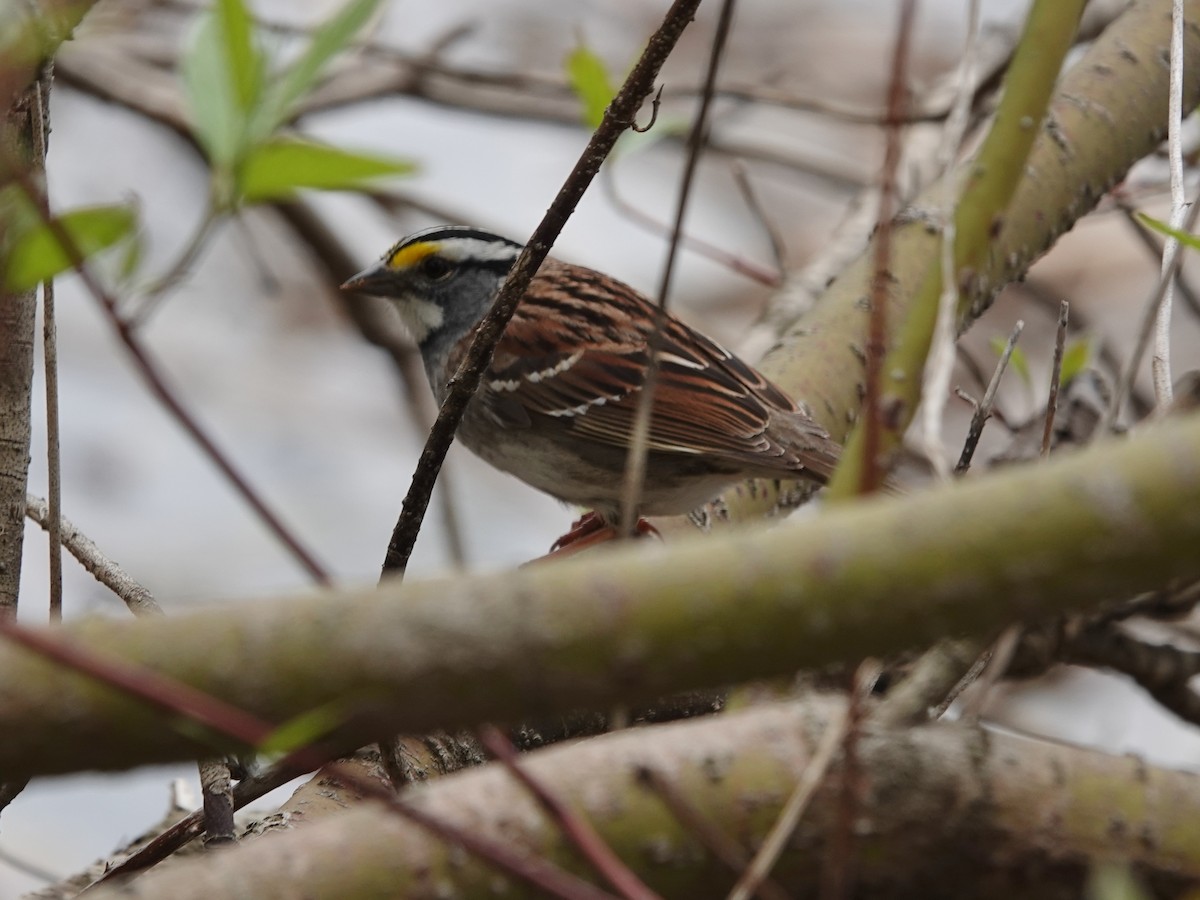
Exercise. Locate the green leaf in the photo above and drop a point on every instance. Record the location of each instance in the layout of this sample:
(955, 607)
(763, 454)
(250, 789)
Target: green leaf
(280, 166)
(36, 255)
(306, 728)
(588, 77)
(298, 78)
(223, 80)
(1017, 360)
(1076, 357)
(1188, 240)
(244, 64)
(218, 122)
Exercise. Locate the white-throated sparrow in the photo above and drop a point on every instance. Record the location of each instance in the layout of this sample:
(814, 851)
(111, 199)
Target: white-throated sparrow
(556, 408)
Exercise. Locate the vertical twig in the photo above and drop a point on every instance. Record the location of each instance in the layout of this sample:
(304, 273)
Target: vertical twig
(940, 364)
(217, 790)
(1060, 344)
(635, 460)
(1149, 319)
(882, 254)
(837, 878)
(50, 364)
(1160, 364)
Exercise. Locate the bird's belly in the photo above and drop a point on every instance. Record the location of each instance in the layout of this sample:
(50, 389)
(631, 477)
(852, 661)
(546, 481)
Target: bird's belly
(591, 475)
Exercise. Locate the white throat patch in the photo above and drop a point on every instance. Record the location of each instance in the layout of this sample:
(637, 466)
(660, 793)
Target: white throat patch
(419, 316)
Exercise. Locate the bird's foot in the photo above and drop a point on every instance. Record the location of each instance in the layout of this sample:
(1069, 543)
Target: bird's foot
(590, 530)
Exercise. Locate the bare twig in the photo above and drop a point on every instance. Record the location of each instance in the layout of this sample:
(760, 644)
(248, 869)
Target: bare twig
(998, 658)
(1164, 671)
(1160, 364)
(928, 683)
(793, 809)
(601, 857)
(732, 261)
(654, 105)
(1155, 248)
(217, 790)
(754, 203)
(167, 694)
(50, 364)
(876, 350)
(1149, 319)
(619, 115)
(940, 362)
(984, 410)
(104, 570)
(1060, 344)
(837, 877)
(635, 459)
(716, 841)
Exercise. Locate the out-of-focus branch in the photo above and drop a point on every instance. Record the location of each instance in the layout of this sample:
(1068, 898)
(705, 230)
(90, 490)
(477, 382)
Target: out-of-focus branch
(867, 579)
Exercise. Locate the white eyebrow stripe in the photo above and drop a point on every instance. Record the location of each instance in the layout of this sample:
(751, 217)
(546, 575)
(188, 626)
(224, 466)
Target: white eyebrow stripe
(460, 249)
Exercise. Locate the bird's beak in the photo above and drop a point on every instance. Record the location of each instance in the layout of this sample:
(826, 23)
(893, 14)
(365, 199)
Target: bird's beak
(369, 279)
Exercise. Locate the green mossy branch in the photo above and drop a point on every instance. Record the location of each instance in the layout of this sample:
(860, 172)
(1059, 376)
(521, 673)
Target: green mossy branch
(1109, 111)
(989, 185)
(640, 622)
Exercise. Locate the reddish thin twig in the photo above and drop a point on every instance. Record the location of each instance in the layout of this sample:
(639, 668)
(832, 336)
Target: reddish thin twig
(180, 699)
(578, 830)
(158, 690)
(873, 414)
(158, 386)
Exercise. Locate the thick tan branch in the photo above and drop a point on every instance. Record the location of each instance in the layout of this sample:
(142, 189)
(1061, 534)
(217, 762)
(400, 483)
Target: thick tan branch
(949, 811)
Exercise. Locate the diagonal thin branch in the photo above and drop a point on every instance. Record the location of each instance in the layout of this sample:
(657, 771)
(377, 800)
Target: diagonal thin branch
(158, 386)
(618, 117)
(984, 408)
(139, 600)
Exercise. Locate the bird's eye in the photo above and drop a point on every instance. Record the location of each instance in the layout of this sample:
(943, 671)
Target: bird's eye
(435, 268)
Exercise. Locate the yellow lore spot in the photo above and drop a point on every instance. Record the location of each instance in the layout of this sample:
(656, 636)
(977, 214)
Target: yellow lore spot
(412, 254)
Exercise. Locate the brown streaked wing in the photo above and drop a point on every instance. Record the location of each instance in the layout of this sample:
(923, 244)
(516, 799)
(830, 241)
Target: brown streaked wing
(576, 350)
